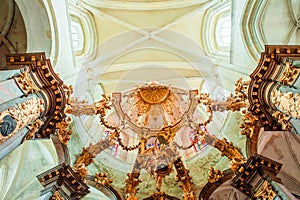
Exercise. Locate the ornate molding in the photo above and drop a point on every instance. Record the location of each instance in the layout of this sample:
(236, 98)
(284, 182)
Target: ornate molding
(25, 82)
(65, 181)
(236, 101)
(254, 173)
(283, 120)
(102, 178)
(215, 175)
(266, 77)
(21, 115)
(33, 129)
(87, 157)
(227, 149)
(249, 124)
(290, 74)
(265, 192)
(185, 179)
(288, 103)
(63, 131)
(51, 88)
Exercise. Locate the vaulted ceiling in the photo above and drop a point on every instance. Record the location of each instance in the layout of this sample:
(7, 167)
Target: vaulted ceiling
(105, 46)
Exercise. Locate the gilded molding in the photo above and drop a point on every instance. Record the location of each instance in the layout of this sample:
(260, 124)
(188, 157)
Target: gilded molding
(87, 157)
(33, 128)
(56, 196)
(25, 83)
(290, 74)
(63, 131)
(265, 192)
(288, 103)
(248, 125)
(23, 114)
(102, 178)
(227, 149)
(283, 119)
(186, 180)
(131, 183)
(215, 175)
(236, 101)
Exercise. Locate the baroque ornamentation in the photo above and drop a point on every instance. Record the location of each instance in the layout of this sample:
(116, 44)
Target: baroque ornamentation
(63, 131)
(131, 184)
(87, 156)
(290, 74)
(78, 107)
(56, 196)
(102, 178)
(207, 101)
(159, 196)
(186, 180)
(227, 149)
(215, 175)
(236, 101)
(265, 192)
(153, 93)
(283, 119)
(23, 114)
(80, 169)
(25, 83)
(248, 125)
(33, 128)
(288, 103)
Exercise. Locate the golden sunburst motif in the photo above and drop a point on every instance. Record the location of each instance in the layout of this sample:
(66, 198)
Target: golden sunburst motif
(154, 94)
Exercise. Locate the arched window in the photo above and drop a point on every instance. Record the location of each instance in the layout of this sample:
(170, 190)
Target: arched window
(223, 31)
(77, 36)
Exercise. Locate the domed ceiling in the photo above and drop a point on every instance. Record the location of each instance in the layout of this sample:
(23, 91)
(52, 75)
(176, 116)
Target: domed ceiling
(127, 49)
(130, 50)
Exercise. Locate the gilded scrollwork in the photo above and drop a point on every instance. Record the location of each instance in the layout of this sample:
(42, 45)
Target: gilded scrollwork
(87, 156)
(227, 149)
(265, 192)
(80, 169)
(63, 131)
(103, 179)
(283, 119)
(22, 114)
(56, 196)
(25, 83)
(103, 105)
(288, 103)
(236, 101)
(185, 179)
(78, 107)
(215, 175)
(248, 125)
(131, 183)
(290, 74)
(33, 128)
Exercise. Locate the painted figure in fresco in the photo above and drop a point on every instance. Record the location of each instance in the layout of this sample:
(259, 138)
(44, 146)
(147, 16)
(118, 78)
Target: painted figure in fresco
(7, 125)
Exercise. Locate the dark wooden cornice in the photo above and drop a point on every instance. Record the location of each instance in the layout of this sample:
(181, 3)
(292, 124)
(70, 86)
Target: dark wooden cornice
(264, 80)
(52, 90)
